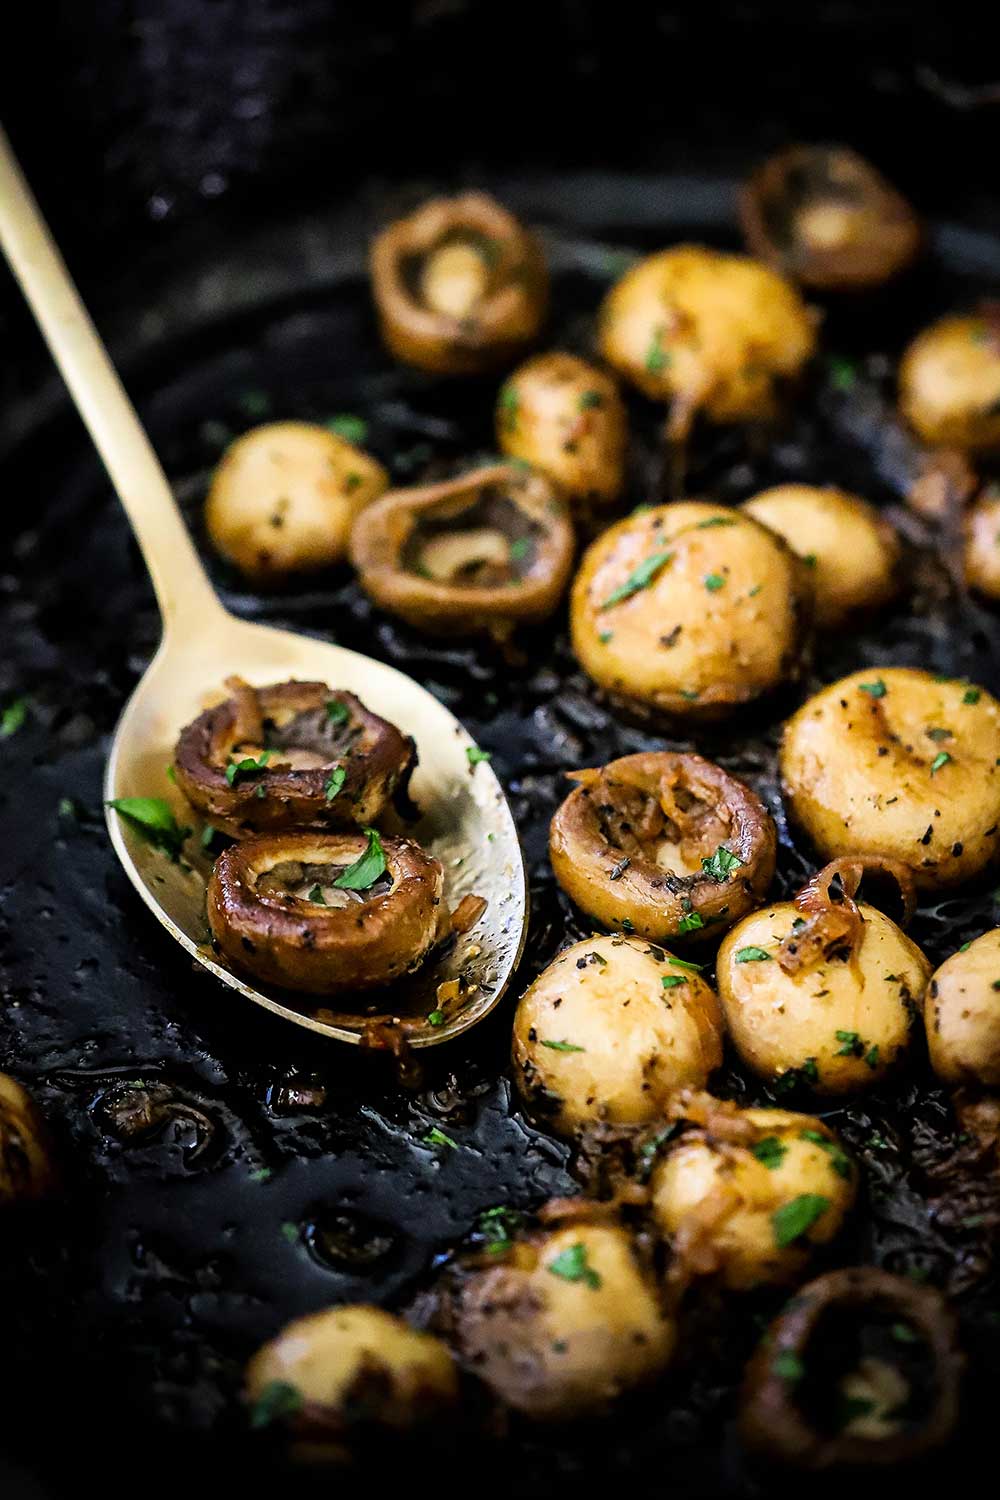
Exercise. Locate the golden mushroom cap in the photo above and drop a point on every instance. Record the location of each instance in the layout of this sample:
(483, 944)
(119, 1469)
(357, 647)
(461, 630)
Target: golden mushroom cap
(690, 609)
(893, 761)
(709, 331)
(852, 551)
(567, 1325)
(566, 417)
(981, 551)
(610, 1029)
(750, 1196)
(949, 382)
(351, 1364)
(962, 1014)
(285, 496)
(839, 1023)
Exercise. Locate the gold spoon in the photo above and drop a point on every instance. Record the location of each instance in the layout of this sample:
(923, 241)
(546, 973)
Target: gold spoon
(465, 821)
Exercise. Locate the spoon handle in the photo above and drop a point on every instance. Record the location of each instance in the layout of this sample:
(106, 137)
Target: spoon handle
(183, 592)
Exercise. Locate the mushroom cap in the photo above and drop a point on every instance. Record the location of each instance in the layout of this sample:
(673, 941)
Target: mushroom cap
(26, 1169)
(304, 944)
(858, 771)
(845, 1021)
(949, 382)
(566, 1325)
(825, 217)
(981, 551)
(962, 1014)
(720, 1193)
(316, 730)
(284, 497)
(355, 1365)
(854, 552)
(566, 417)
(599, 1036)
(709, 331)
(670, 844)
(690, 609)
(497, 325)
(482, 552)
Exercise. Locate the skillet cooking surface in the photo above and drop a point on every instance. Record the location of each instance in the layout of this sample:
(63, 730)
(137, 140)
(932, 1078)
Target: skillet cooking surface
(224, 1172)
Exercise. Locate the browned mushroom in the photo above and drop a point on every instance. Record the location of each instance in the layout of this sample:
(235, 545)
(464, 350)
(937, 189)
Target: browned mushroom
(334, 1372)
(981, 551)
(26, 1170)
(708, 332)
(479, 553)
(326, 913)
(664, 845)
(460, 285)
(861, 1367)
(949, 382)
(566, 417)
(291, 755)
(825, 217)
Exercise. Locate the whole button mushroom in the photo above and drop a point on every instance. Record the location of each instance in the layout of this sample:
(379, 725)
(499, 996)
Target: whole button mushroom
(565, 416)
(26, 1170)
(460, 285)
(690, 610)
(610, 1029)
(899, 762)
(962, 1014)
(707, 332)
(823, 990)
(481, 553)
(664, 845)
(853, 552)
(566, 1324)
(284, 497)
(349, 1368)
(949, 382)
(828, 219)
(981, 551)
(747, 1195)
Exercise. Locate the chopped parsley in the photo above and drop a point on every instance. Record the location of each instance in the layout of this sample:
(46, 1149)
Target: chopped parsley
(316, 894)
(276, 1401)
(838, 1161)
(335, 784)
(941, 759)
(658, 359)
(509, 402)
(365, 870)
(436, 1018)
(640, 578)
(714, 521)
(876, 689)
(685, 963)
(154, 820)
(352, 429)
(752, 955)
(246, 767)
(571, 1265)
(852, 1045)
(563, 1046)
(474, 755)
(12, 717)
(788, 1366)
(714, 582)
(796, 1217)
(690, 921)
(519, 549)
(589, 400)
(671, 981)
(436, 1137)
(771, 1151)
(337, 713)
(499, 1225)
(971, 695)
(721, 864)
(871, 1057)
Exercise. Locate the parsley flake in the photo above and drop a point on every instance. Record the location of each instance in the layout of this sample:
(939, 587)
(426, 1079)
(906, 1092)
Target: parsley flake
(640, 578)
(563, 1046)
(154, 820)
(796, 1217)
(352, 429)
(771, 1151)
(366, 869)
(12, 718)
(876, 689)
(335, 784)
(941, 759)
(571, 1265)
(752, 955)
(721, 864)
(276, 1401)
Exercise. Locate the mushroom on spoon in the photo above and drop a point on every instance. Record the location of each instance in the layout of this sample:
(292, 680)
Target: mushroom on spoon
(465, 820)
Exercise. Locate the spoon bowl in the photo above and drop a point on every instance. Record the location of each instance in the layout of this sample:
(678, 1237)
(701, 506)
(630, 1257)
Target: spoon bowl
(464, 819)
